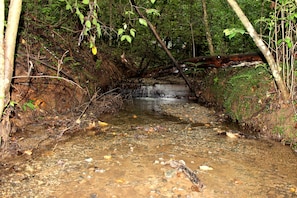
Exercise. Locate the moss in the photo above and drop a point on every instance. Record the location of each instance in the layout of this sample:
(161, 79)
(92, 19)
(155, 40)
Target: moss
(240, 90)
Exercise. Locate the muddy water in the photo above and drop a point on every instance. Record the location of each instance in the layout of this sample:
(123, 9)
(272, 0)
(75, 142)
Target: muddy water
(128, 159)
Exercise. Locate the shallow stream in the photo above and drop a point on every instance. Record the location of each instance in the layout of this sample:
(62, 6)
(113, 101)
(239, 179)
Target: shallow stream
(128, 158)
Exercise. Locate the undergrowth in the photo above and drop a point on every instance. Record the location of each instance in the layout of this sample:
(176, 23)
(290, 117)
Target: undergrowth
(242, 92)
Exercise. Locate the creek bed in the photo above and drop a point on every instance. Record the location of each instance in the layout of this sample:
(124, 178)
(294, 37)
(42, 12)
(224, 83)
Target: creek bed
(127, 159)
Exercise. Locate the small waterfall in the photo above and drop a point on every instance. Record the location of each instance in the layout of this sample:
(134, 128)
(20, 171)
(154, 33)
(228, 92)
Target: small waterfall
(165, 91)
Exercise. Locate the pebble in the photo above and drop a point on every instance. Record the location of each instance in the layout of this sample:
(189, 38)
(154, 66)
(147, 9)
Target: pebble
(170, 173)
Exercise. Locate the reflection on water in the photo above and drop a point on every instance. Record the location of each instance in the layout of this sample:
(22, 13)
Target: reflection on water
(151, 104)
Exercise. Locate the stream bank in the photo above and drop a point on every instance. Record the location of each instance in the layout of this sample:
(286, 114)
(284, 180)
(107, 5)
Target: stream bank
(248, 96)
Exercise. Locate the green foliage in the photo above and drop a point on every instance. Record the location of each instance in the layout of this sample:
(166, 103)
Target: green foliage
(230, 33)
(222, 18)
(116, 24)
(216, 80)
(142, 22)
(87, 12)
(128, 37)
(240, 90)
(279, 130)
(286, 40)
(281, 27)
(153, 12)
(12, 103)
(30, 104)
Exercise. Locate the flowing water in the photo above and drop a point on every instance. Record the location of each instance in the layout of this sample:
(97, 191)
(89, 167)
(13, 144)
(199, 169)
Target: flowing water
(128, 159)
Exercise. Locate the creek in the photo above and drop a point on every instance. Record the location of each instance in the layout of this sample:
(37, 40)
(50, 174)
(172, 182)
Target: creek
(128, 158)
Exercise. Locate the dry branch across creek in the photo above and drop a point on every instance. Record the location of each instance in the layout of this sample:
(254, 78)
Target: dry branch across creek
(223, 61)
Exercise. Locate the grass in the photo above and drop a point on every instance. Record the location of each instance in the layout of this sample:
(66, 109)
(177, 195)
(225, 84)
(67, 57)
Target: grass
(240, 90)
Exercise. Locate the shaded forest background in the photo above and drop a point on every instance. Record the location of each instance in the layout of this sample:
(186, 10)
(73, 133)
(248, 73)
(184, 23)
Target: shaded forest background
(177, 22)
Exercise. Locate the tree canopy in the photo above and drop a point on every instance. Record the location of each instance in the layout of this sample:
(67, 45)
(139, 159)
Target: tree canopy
(115, 24)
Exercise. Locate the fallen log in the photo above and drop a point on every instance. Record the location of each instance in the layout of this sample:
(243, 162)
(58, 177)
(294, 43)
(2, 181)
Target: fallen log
(223, 61)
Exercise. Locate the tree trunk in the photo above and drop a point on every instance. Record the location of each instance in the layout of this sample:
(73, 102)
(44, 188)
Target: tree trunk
(193, 41)
(2, 69)
(153, 29)
(264, 49)
(192, 19)
(207, 30)
(110, 22)
(7, 61)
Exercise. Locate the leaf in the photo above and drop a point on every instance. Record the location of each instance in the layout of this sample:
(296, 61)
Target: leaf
(29, 104)
(102, 124)
(88, 24)
(98, 27)
(95, 14)
(107, 157)
(86, 32)
(153, 1)
(289, 42)
(129, 13)
(132, 32)
(127, 38)
(142, 22)
(86, 2)
(121, 31)
(94, 50)
(153, 11)
(28, 152)
(204, 167)
(12, 103)
(68, 7)
(94, 21)
(80, 15)
(230, 33)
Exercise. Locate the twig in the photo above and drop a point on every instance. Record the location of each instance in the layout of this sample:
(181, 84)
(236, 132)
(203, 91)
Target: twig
(85, 109)
(55, 77)
(92, 99)
(47, 65)
(77, 121)
(60, 62)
